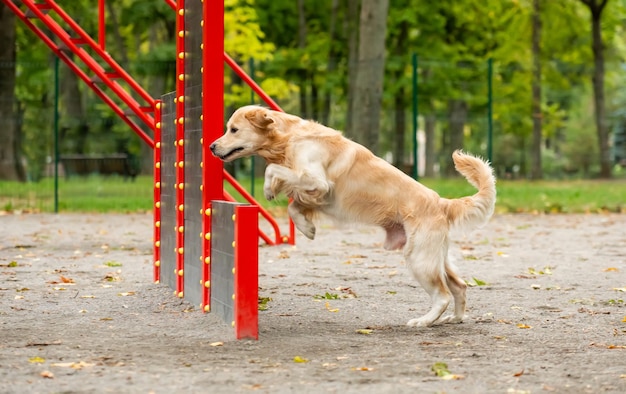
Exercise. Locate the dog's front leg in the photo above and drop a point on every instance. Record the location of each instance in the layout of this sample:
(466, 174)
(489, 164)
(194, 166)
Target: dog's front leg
(304, 224)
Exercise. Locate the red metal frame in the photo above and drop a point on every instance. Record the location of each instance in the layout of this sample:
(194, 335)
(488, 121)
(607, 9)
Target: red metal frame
(101, 25)
(246, 272)
(180, 146)
(157, 191)
(39, 11)
(212, 127)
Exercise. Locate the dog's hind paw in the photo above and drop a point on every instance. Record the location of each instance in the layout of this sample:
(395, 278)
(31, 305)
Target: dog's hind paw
(451, 319)
(309, 232)
(421, 322)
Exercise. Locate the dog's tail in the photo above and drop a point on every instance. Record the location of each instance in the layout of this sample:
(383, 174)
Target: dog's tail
(473, 211)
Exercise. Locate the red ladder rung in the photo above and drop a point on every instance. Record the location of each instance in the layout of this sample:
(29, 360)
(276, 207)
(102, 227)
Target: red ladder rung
(78, 41)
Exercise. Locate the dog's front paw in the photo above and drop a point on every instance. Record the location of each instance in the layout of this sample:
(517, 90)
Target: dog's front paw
(269, 195)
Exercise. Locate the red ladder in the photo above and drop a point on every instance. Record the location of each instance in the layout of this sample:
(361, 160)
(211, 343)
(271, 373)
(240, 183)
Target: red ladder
(96, 67)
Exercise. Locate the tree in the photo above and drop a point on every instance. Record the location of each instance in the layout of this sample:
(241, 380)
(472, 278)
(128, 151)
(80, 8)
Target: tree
(595, 8)
(367, 101)
(10, 161)
(536, 172)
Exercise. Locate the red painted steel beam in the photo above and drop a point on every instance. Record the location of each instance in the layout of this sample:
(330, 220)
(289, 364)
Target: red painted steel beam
(180, 146)
(262, 235)
(212, 124)
(157, 191)
(246, 272)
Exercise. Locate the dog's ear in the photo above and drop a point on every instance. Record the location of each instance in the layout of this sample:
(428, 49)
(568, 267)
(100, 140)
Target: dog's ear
(260, 118)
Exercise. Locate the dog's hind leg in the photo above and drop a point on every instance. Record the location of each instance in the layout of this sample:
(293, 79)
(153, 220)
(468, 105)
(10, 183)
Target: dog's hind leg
(425, 253)
(458, 287)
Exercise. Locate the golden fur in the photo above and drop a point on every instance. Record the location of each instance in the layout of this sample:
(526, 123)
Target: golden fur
(323, 172)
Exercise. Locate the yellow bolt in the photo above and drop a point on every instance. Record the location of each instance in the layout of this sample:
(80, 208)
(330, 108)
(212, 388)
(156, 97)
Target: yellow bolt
(181, 186)
(181, 34)
(233, 217)
(157, 224)
(207, 260)
(201, 138)
(285, 239)
(202, 22)
(207, 236)
(201, 68)
(158, 204)
(180, 250)
(202, 46)
(157, 164)
(200, 235)
(207, 308)
(233, 244)
(181, 164)
(201, 165)
(181, 207)
(180, 295)
(181, 229)
(181, 12)
(181, 55)
(157, 263)
(233, 323)
(201, 117)
(207, 284)
(181, 77)
(157, 244)
(233, 270)
(181, 120)
(156, 282)
(201, 188)
(233, 297)
(158, 185)
(180, 273)
(158, 124)
(181, 142)
(158, 105)
(208, 212)
(158, 145)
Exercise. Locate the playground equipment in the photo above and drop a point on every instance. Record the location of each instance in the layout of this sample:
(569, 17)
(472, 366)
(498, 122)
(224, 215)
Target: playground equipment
(204, 248)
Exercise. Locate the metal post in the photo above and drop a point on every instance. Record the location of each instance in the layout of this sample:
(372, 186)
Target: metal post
(101, 25)
(415, 115)
(56, 134)
(252, 157)
(490, 110)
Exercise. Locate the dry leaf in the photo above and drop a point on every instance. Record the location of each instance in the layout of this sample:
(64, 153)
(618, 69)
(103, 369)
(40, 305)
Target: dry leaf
(299, 360)
(329, 309)
(521, 325)
(518, 374)
(47, 374)
(363, 369)
(624, 319)
(36, 360)
(66, 280)
(126, 294)
(452, 377)
(611, 269)
(216, 344)
(364, 331)
(88, 296)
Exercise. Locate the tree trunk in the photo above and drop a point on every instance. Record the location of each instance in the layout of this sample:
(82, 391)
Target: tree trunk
(400, 103)
(457, 110)
(367, 102)
(535, 156)
(10, 163)
(302, 71)
(331, 65)
(74, 117)
(596, 7)
(429, 150)
(352, 30)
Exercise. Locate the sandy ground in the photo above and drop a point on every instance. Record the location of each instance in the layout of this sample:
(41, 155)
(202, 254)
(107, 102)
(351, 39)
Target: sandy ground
(79, 313)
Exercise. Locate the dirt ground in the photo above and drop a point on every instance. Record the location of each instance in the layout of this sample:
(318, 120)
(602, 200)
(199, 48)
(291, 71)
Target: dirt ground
(79, 313)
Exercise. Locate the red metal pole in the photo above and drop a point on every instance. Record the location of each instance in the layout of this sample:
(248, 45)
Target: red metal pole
(157, 191)
(180, 148)
(246, 272)
(212, 126)
(101, 25)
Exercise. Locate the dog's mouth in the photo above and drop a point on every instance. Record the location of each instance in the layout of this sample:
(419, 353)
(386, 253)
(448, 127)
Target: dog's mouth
(231, 153)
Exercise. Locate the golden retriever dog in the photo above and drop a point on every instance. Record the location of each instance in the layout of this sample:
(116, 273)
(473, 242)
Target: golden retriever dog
(325, 173)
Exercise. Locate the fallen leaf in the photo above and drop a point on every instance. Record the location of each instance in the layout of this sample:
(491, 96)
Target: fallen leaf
(47, 374)
(19, 297)
(126, 294)
(73, 365)
(36, 360)
(216, 344)
(611, 269)
(623, 289)
(363, 369)
(364, 331)
(328, 308)
(283, 255)
(88, 296)
(518, 374)
(12, 264)
(521, 325)
(624, 319)
(300, 360)
(66, 280)
(452, 377)
(440, 369)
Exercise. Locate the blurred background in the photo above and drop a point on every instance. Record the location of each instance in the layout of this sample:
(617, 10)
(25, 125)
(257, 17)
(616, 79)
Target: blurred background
(536, 86)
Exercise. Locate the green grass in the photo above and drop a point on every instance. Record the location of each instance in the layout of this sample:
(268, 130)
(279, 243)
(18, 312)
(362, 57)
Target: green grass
(113, 194)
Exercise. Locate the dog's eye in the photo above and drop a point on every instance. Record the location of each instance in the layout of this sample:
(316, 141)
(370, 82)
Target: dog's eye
(234, 129)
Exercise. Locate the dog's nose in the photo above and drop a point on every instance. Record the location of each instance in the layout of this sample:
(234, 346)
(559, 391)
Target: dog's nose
(212, 147)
